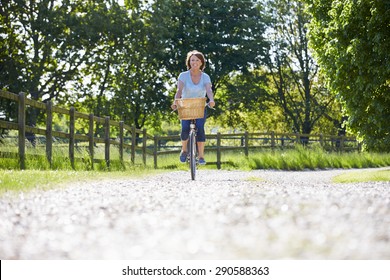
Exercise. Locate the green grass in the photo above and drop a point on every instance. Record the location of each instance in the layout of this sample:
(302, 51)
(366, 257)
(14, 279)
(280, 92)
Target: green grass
(366, 176)
(25, 180)
(254, 179)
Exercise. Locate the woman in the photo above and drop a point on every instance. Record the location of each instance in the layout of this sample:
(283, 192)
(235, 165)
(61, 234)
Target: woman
(194, 83)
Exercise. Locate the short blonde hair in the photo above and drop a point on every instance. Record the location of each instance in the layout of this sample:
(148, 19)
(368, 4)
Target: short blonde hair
(199, 55)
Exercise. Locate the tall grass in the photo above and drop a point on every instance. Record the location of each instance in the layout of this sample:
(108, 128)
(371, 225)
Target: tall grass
(299, 158)
(36, 159)
(302, 158)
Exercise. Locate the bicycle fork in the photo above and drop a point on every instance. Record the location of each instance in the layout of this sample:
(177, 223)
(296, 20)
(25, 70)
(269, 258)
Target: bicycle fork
(193, 132)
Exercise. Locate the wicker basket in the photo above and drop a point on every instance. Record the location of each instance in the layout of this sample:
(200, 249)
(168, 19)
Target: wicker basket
(191, 108)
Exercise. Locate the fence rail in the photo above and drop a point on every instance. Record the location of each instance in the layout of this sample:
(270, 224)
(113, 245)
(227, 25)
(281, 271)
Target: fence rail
(138, 139)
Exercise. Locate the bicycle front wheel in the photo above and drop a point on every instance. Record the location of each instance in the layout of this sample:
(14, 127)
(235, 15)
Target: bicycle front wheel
(193, 154)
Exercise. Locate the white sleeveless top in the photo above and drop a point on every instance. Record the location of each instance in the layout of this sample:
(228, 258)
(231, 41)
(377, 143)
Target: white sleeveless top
(192, 90)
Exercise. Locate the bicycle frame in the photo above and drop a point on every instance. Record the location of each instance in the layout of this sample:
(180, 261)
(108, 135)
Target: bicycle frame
(192, 149)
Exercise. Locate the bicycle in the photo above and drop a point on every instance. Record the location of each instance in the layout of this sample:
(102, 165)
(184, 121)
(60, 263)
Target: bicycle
(191, 109)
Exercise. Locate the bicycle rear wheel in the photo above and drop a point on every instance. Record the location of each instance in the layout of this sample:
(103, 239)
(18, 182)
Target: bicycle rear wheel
(192, 155)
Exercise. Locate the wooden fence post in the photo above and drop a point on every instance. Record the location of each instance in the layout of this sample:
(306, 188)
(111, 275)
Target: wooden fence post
(322, 140)
(155, 151)
(121, 141)
(297, 138)
(91, 139)
(71, 135)
(107, 140)
(144, 139)
(219, 150)
(22, 130)
(246, 143)
(49, 136)
(133, 143)
(272, 140)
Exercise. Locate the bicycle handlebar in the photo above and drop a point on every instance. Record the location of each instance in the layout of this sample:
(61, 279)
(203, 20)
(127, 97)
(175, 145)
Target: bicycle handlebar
(207, 105)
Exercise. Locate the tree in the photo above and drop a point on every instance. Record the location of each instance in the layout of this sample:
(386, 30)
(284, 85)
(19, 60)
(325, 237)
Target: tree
(139, 96)
(127, 79)
(11, 44)
(230, 33)
(11, 58)
(351, 40)
(294, 82)
(139, 84)
(95, 90)
(50, 42)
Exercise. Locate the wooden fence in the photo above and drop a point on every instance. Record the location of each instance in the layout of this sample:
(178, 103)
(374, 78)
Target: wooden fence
(72, 137)
(138, 146)
(248, 142)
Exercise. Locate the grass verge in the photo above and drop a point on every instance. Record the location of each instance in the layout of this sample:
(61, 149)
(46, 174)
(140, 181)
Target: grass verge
(365, 176)
(26, 180)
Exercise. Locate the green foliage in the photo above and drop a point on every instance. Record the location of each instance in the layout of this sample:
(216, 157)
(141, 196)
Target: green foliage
(229, 33)
(241, 96)
(351, 41)
(52, 44)
(48, 39)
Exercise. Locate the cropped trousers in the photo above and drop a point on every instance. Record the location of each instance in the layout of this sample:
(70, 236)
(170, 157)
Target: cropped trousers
(200, 133)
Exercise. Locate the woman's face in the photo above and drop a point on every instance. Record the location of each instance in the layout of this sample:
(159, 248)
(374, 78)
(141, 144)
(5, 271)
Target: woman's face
(195, 62)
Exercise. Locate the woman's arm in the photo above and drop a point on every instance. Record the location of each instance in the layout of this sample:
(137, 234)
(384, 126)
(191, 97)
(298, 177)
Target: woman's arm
(179, 92)
(210, 95)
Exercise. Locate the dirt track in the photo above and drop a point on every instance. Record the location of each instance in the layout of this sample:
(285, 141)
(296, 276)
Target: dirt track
(221, 215)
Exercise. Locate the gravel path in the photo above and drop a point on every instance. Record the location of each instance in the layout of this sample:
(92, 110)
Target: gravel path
(223, 215)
